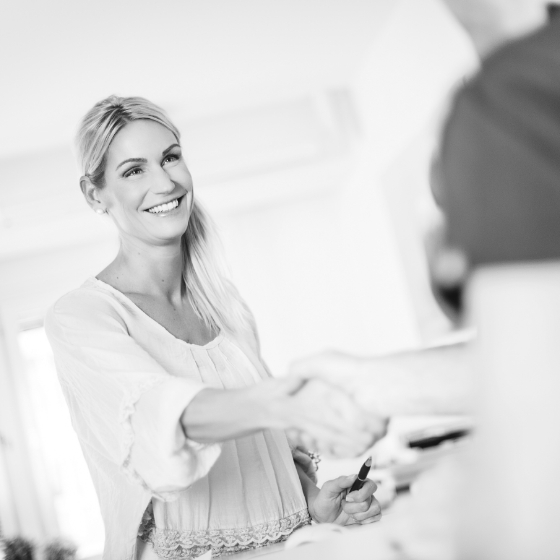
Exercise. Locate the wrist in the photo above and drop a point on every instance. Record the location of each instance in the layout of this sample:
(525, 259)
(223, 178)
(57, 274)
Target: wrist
(311, 498)
(276, 405)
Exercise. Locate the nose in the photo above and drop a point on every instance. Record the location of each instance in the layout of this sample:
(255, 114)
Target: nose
(162, 182)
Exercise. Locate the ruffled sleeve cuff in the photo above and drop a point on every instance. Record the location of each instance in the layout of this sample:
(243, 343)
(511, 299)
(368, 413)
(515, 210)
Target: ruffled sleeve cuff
(158, 455)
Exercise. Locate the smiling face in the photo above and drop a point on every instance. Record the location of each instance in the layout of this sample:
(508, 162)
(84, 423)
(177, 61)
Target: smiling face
(148, 189)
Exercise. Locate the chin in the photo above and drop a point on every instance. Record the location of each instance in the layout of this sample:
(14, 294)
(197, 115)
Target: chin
(169, 234)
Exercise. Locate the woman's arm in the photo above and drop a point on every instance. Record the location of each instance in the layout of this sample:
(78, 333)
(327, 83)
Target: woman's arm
(124, 406)
(321, 414)
(317, 414)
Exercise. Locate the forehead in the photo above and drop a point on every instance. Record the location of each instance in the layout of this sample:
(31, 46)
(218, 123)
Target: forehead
(141, 138)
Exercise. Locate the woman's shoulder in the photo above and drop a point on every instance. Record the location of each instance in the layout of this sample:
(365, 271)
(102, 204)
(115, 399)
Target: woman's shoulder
(89, 302)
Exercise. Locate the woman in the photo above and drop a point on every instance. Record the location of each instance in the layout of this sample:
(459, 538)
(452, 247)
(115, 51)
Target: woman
(159, 361)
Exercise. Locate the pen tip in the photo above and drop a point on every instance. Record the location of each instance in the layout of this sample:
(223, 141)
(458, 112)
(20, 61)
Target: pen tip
(368, 462)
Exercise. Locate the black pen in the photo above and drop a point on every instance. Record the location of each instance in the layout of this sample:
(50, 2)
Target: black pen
(362, 476)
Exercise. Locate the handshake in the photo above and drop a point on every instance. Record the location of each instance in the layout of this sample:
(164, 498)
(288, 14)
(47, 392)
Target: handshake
(315, 412)
(321, 416)
(326, 411)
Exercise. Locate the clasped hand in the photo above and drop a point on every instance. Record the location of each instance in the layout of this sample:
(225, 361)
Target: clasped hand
(323, 418)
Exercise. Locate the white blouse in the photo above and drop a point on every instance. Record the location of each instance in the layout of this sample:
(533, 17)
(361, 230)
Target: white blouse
(127, 380)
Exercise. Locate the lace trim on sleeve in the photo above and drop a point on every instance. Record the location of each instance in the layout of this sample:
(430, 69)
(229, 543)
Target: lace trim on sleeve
(181, 545)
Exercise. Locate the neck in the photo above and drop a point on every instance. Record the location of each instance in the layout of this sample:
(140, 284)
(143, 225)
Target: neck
(150, 269)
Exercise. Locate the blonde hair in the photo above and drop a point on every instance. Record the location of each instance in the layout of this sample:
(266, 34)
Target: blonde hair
(213, 296)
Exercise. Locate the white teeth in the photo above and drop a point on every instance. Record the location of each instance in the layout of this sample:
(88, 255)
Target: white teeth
(164, 207)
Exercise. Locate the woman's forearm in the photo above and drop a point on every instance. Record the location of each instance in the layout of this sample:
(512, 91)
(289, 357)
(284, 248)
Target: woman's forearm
(314, 411)
(216, 415)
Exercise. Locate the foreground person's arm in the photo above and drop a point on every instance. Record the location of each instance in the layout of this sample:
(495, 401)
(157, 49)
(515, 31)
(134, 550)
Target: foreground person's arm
(432, 381)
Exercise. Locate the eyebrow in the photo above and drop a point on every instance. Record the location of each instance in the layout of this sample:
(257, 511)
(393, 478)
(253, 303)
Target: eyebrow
(165, 152)
(132, 159)
(144, 160)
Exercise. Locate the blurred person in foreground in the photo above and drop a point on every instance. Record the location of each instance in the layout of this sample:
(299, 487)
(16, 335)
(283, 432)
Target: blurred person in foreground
(435, 380)
(180, 422)
(500, 173)
(500, 169)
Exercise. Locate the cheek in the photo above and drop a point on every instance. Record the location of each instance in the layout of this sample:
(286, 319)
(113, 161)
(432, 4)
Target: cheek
(181, 175)
(126, 200)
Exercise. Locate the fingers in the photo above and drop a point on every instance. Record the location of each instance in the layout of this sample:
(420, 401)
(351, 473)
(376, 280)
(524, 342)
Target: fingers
(364, 493)
(333, 488)
(367, 510)
(371, 514)
(331, 422)
(289, 384)
(352, 508)
(361, 505)
(335, 407)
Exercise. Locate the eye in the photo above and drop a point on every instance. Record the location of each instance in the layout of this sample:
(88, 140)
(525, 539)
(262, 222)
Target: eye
(171, 157)
(132, 172)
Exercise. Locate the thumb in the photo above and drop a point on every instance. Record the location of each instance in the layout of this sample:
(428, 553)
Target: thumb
(334, 488)
(290, 384)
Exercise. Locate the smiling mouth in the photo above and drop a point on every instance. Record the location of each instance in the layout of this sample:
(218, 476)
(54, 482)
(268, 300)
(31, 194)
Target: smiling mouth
(167, 207)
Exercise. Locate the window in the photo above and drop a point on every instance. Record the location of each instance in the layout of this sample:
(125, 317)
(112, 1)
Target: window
(52, 436)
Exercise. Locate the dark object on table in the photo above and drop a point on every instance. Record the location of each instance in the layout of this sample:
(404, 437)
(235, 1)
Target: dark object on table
(433, 444)
(19, 548)
(60, 550)
(426, 440)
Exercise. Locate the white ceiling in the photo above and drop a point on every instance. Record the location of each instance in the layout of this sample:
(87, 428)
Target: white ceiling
(194, 57)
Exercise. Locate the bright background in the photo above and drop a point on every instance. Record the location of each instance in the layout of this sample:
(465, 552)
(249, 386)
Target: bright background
(308, 126)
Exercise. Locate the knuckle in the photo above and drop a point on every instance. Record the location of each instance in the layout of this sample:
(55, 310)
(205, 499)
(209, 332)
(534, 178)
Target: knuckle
(363, 496)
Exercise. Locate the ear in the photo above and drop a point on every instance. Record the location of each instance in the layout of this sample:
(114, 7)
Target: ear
(91, 194)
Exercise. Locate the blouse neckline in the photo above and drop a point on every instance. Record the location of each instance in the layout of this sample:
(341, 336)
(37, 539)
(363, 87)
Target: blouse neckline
(215, 341)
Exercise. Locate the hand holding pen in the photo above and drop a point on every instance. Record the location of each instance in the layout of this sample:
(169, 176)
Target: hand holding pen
(339, 502)
(361, 504)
